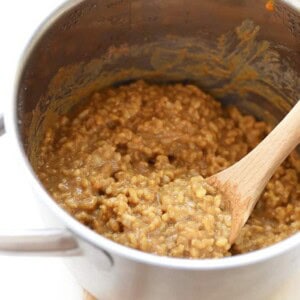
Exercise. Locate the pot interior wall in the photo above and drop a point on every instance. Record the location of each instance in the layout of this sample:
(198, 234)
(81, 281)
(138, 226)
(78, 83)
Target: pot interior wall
(237, 51)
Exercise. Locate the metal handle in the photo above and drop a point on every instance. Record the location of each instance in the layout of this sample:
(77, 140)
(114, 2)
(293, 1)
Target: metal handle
(2, 128)
(48, 242)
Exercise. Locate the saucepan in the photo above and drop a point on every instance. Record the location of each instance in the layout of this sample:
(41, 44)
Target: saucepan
(241, 51)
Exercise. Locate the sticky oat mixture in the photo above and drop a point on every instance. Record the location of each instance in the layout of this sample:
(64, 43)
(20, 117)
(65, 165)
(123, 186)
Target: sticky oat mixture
(131, 166)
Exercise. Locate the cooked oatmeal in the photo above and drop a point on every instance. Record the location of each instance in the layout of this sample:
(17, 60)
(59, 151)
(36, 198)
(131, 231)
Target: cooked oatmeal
(131, 166)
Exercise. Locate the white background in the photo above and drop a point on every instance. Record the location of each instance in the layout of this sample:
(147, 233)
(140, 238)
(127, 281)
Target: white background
(38, 278)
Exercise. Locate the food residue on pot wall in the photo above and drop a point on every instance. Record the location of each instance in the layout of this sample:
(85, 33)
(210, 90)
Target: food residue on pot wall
(270, 5)
(236, 68)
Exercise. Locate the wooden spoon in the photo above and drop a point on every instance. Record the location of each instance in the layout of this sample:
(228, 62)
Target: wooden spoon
(242, 183)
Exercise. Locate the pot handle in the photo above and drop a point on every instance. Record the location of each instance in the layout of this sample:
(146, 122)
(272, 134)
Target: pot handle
(39, 242)
(2, 128)
(48, 242)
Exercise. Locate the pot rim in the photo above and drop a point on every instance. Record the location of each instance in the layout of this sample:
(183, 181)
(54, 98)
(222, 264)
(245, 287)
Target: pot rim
(85, 233)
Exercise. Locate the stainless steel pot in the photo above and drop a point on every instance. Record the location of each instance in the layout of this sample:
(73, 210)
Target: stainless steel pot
(90, 44)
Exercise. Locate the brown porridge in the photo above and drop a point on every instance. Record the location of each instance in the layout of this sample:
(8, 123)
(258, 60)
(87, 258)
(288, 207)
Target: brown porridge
(132, 164)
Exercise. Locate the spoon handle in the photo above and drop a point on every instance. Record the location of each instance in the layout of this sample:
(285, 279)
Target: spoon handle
(259, 165)
(245, 180)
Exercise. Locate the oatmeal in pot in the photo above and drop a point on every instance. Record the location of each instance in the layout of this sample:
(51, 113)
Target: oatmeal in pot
(131, 166)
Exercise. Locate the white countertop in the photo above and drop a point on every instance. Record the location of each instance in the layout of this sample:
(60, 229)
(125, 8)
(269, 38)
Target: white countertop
(31, 277)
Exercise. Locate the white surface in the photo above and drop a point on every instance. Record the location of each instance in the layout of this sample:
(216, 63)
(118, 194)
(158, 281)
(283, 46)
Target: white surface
(39, 278)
